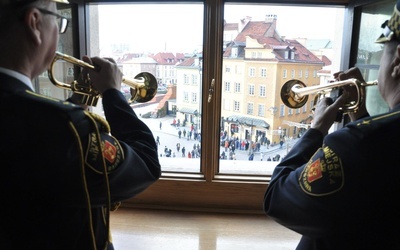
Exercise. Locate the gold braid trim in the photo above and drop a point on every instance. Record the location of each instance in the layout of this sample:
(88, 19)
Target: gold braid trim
(89, 207)
(100, 125)
(105, 127)
(97, 121)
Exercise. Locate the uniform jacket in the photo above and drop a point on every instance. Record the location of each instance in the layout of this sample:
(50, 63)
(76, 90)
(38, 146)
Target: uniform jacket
(54, 186)
(342, 191)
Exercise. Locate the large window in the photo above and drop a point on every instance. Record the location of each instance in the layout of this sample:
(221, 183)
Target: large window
(200, 51)
(172, 37)
(369, 52)
(265, 36)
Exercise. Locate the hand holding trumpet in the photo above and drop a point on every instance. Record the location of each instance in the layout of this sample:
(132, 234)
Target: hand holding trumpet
(326, 109)
(352, 73)
(105, 75)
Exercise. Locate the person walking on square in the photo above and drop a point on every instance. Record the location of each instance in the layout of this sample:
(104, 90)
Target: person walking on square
(183, 151)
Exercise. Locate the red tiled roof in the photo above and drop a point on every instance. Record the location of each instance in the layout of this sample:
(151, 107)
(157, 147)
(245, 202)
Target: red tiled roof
(326, 60)
(188, 62)
(265, 34)
(127, 57)
(165, 58)
(254, 29)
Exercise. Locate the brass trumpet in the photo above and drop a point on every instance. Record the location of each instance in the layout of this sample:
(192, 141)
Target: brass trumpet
(143, 86)
(294, 93)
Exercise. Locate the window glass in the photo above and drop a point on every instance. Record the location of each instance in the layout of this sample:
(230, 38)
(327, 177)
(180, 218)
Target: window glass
(369, 52)
(166, 41)
(271, 48)
(64, 72)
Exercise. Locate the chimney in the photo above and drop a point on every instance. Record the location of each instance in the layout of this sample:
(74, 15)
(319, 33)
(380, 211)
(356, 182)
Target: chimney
(243, 22)
(270, 18)
(272, 28)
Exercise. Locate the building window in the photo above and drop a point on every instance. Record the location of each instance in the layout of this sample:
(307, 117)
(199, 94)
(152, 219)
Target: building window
(282, 110)
(263, 72)
(185, 79)
(251, 89)
(237, 87)
(284, 73)
(261, 110)
(250, 108)
(227, 87)
(252, 72)
(194, 79)
(236, 106)
(263, 91)
(234, 52)
(194, 97)
(186, 96)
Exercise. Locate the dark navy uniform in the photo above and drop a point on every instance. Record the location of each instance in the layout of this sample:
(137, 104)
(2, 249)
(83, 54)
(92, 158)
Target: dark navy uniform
(54, 156)
(340, 192)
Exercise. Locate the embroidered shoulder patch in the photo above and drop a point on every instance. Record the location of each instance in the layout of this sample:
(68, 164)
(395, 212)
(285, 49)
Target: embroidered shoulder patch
(323, 174)
(111, 152)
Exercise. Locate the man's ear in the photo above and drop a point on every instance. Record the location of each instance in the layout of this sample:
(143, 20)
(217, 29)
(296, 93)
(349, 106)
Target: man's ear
(33, 23)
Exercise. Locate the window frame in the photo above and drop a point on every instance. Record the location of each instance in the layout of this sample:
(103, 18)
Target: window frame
(208, 190)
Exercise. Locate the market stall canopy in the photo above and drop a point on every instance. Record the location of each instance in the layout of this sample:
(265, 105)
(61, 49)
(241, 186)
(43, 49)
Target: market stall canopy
(248, 121)
(187, 110)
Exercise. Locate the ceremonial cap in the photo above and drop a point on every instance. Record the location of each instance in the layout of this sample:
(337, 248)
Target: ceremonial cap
(391, 27)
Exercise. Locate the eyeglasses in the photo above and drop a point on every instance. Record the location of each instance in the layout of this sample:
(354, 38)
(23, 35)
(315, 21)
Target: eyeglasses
(62, 21)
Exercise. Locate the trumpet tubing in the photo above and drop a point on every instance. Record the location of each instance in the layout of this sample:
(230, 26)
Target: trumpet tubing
(143, 86)
(294, 93)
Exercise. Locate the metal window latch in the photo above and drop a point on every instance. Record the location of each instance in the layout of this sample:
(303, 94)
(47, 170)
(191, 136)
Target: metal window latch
(211, 90)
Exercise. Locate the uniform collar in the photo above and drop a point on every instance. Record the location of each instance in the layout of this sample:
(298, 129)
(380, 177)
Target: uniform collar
(18, 76)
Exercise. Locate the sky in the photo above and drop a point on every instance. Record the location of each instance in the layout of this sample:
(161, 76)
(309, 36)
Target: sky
(178, 27)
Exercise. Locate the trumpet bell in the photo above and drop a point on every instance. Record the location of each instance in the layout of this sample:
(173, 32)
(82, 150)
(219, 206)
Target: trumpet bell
(289, 97)
(145, 93)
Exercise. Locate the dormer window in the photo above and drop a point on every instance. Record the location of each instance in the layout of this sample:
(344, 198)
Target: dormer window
(291, 55)
(234, 52)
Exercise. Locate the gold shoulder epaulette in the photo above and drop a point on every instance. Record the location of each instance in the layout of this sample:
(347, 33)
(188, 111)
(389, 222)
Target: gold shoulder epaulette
(385, 116)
